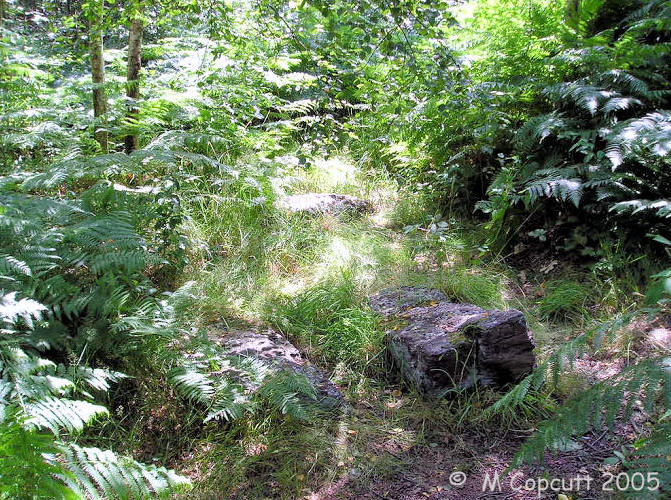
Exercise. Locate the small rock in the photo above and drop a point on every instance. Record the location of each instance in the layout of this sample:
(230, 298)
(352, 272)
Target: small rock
(324, 203)
(279, 353)
(659, 339)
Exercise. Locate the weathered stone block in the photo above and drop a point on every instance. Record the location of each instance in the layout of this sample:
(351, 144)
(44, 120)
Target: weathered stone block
(280, 354)
(442, 345)
(324, 203)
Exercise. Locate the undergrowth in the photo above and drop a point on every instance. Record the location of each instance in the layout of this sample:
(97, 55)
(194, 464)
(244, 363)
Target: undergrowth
(487, 137)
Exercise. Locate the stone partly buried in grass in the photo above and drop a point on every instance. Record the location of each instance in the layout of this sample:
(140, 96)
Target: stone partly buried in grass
(439, 346)
(278, 353)
(324, 203)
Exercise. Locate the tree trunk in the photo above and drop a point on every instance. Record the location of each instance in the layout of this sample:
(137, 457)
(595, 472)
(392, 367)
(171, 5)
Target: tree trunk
(98, 76)
(133, 76)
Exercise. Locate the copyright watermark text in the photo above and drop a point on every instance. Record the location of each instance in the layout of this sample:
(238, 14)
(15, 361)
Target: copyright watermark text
(495, 482)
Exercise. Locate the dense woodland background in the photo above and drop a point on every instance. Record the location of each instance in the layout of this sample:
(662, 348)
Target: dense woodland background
(517, 154)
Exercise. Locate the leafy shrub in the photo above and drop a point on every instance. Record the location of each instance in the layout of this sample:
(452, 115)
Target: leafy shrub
(599, 149)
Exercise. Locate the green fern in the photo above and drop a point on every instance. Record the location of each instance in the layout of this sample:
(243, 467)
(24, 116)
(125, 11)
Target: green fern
(649, 135)
(23, 469)
(229, 387)
(658, 208)
(555, 184)
(602, 143)
(218, 394)
(101, 474)
(58, 414)
(290, 394)
(651, 455)
(193, 385)
(648, 381)
(67, 276)
(550, 369)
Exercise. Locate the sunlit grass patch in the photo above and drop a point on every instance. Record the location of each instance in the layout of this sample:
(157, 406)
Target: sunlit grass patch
(563, 298)
(262, 458)
(409, 209)
(331, 321)
(333, 174)
(375, 256)
(484, 287)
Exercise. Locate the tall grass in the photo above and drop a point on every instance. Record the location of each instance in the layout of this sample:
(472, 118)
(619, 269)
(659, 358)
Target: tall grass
(331, 320)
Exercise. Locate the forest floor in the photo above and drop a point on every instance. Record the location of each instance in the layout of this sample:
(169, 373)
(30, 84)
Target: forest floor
(470, 466)
(391, 443)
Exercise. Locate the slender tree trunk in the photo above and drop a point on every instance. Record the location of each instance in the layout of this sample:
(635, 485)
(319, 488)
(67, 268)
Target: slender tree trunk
(2, 13)
(98, 76)
(133, 76)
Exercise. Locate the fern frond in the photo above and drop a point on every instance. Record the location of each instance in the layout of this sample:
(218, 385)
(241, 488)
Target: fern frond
(193, 141)
(192, 384)
(302, 106)
(581, 93)
(599, 405)
(229, 403)
(23, 469)
(652, 455)
(95, 378)
(551, 368)
(620, 104)
(10, 265)
(223, 400)
(124, 261)
(289, 393)
(99, 474)
(538, 128)
(57, 414)
(11, 310)
(651, 133)
(659, 208)
(552, 184)
(624, 81)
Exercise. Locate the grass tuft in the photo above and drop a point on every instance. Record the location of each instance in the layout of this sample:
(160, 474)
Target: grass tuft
(563, 299)
(483, 287)
(331, 322)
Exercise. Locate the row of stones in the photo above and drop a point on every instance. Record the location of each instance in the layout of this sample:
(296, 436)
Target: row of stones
(435, 344)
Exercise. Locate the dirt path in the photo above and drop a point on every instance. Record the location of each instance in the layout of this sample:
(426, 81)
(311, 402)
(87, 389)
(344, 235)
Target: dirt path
(474, 469)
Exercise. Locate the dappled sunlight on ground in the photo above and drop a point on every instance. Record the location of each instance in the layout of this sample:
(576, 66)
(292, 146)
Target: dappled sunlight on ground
(334, 172)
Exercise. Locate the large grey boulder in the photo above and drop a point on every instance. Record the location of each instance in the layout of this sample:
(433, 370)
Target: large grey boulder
(324, 203)
(438, 345)
(278, 353)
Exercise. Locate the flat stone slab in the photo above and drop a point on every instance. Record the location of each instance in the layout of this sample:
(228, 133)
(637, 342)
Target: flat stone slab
(279, 354)
(324, 203)
(441, 345)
